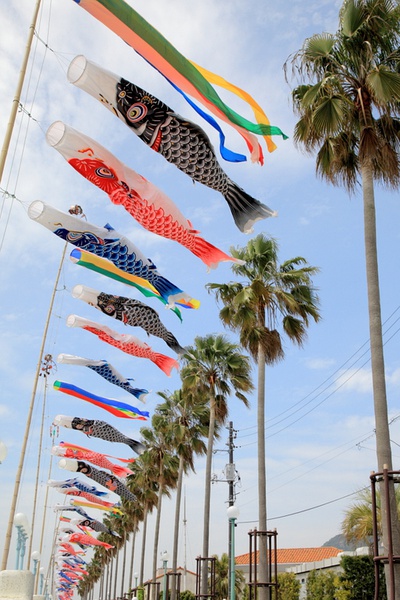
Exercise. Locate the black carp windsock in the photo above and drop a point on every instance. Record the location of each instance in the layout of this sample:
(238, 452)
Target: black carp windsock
(110, 482)
(130, 312)
(99, 429)
(178, 140)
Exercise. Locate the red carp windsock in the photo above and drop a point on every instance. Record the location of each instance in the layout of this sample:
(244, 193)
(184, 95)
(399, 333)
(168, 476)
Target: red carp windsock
(145, 202)
(125, 342)
(96, 458)
(86, 540)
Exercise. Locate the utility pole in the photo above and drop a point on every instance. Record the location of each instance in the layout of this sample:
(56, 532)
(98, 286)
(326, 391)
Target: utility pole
(230, 474)
(231, 477)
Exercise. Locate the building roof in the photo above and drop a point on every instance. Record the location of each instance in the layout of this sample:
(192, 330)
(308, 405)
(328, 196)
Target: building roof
(296, 555)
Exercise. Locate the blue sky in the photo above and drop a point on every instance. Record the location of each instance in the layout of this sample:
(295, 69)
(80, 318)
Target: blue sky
(320, 441)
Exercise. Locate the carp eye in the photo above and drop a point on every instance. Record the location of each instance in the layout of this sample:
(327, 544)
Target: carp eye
(104, 172)
(136, 112)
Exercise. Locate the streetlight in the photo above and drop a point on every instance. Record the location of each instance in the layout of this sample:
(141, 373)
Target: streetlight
(165, 558)
(233, 513)
(22, 525)
(35, 556)
(41, 577)
(136, 579)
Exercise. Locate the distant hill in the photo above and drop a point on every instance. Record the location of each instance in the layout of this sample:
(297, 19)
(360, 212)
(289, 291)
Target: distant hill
(338, 541)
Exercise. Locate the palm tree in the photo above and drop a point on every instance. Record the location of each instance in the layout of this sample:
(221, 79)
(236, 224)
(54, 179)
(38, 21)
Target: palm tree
(222, 578)
(349, 107)
(188, 421)
(357, 525)
(268, 296)
(159, 445)
(214, 368)
(143, 483)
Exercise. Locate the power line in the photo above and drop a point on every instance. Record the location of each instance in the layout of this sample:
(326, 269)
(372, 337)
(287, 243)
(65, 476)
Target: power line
(298, 512)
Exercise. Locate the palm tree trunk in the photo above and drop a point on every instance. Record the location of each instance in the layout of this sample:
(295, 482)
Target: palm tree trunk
(116, 559)
(176, 526)
(143, 553)
(383, 448)
(107, 567)
(111, 563)
(157, 532)
(124, 565)
(130, 586)
(263, 593)
(207, 498)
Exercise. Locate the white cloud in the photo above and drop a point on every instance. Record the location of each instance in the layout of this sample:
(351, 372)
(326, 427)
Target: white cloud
(355, 380)
(320, 363)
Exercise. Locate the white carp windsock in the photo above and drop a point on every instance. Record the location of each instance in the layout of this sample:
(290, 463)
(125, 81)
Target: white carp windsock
(98, 247)
(130, 312)
(110, 482)
(99, 429)
(125, 342)
(145, 202)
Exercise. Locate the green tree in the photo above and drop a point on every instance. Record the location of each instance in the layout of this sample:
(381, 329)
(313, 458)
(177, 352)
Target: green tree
(288, 586)
(358, 578)
(214, 368)
(348, 101)
(269, 301)
(321, 585)
(187, 595)
(357, 525)
(222, 578)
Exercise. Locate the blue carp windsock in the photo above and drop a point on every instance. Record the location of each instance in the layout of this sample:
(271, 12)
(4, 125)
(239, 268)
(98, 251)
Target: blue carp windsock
(178, 140)
(98, 429)
(77, 484)
(106, 243)
(125, 342)
(145, 202)
(63, 507)
(110, 482)
(130, 312)
(105, 370)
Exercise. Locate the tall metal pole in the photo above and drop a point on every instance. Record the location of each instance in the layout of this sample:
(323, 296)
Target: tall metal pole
(233, 513)
(28, 422)
(231, 497)
(17, 97)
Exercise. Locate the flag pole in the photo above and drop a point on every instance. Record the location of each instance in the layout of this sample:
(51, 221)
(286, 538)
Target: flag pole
(17, 97)
(28, 421)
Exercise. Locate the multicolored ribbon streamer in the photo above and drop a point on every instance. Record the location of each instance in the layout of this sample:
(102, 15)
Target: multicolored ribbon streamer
(121, 18)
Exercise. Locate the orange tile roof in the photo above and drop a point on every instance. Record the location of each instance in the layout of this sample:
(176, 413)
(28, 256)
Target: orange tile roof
(296, 555)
